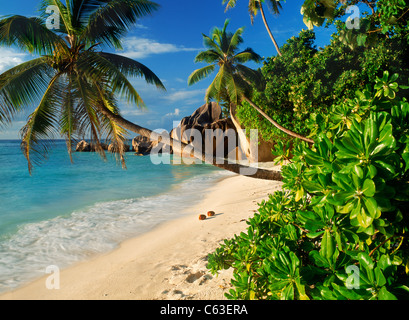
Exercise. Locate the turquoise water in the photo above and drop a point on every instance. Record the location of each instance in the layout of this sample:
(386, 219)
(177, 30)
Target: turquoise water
(66, 212)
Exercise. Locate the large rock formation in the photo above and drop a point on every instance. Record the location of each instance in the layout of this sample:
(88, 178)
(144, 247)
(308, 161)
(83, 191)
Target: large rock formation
(143, 146)
(206, 131)
(85, 146)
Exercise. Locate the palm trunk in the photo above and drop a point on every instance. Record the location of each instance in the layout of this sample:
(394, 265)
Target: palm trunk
(289, 132)
(183, 148)
(268, 29)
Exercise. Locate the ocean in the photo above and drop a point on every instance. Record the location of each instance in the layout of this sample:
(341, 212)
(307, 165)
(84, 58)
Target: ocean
(65, 213)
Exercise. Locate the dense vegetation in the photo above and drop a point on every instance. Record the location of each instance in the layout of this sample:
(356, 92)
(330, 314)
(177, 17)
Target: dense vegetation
(339, 227)
(344, 203)
(306, 79)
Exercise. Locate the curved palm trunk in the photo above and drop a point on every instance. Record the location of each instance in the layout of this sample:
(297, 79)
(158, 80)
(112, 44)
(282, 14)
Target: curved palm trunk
(268, 29)
(289, 132)
(188, 149)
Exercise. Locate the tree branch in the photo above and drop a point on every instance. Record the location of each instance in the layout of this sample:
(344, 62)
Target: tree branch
(289, 132)
(183, 148)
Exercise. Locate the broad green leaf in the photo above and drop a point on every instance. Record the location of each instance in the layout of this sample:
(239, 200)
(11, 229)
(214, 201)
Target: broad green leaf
(313, 235)
(369, 188)
(371, 207)
(379, 277)
(299, 194)
(327, 245)
(384, 294)
(364, 219)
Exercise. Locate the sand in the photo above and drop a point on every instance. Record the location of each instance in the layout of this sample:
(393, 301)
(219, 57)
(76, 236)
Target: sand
(167, 263)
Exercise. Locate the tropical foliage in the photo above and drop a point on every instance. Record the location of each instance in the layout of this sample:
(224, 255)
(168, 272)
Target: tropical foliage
(234, 82)
(254, 7)
(308, 78)
(72, 81)
(339, 227)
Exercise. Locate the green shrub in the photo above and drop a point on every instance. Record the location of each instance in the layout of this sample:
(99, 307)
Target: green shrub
(339, 227)
(306, 79)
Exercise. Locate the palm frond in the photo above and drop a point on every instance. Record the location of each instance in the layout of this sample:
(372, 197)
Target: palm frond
(132, 68)
(95, 67)
(88, 98)
(29, 34)
(22, 86)
(274, 6)
(209, 56)
(233, 88)
(66, 25)
(230, 4)
(42, 124)
(82, 9)
(211, 44)
(235, 40)
(114, 133)
(252, 77)
(69, 120)
(247, 55)
(217, 88)
(200, 74)
(114, 19)
(233, 80)
(222, 37)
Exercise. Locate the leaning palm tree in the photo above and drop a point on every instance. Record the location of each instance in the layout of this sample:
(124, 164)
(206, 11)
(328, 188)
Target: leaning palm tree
(234, 81)
(75, 87)
(255, 6)
(72, 80)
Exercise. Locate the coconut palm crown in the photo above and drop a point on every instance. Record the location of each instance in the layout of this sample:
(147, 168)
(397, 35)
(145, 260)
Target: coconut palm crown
(254, 7)
(72, 82)
(233, 80)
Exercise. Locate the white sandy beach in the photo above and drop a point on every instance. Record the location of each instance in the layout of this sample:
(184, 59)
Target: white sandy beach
(168, 262)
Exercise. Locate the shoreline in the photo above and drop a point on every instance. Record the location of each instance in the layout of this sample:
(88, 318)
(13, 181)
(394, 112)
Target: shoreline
(166, 263)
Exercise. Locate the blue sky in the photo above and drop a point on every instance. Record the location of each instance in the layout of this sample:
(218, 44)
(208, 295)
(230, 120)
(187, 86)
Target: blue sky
(167, 42)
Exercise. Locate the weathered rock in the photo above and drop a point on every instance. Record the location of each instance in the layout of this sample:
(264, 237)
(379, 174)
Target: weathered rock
(143, 146)
(207, 113)
(83, 146)
(206, 131)
(126, 148)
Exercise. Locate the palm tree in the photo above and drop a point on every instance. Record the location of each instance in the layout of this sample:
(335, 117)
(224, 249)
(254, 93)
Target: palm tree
(256, 5)
(233, 81)
(71, 80)
(74, 86)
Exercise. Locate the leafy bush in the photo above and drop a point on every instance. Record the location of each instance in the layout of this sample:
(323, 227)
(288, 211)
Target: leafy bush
(306, 79)
(339, 227)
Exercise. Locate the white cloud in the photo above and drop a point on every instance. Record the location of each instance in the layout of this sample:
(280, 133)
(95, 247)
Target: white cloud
(185, 96)
(10, 58)
(176, 113)
(137, 48)
(127, 112)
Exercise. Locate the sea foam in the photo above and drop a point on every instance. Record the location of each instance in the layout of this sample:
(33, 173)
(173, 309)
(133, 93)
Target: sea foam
(65, 240)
